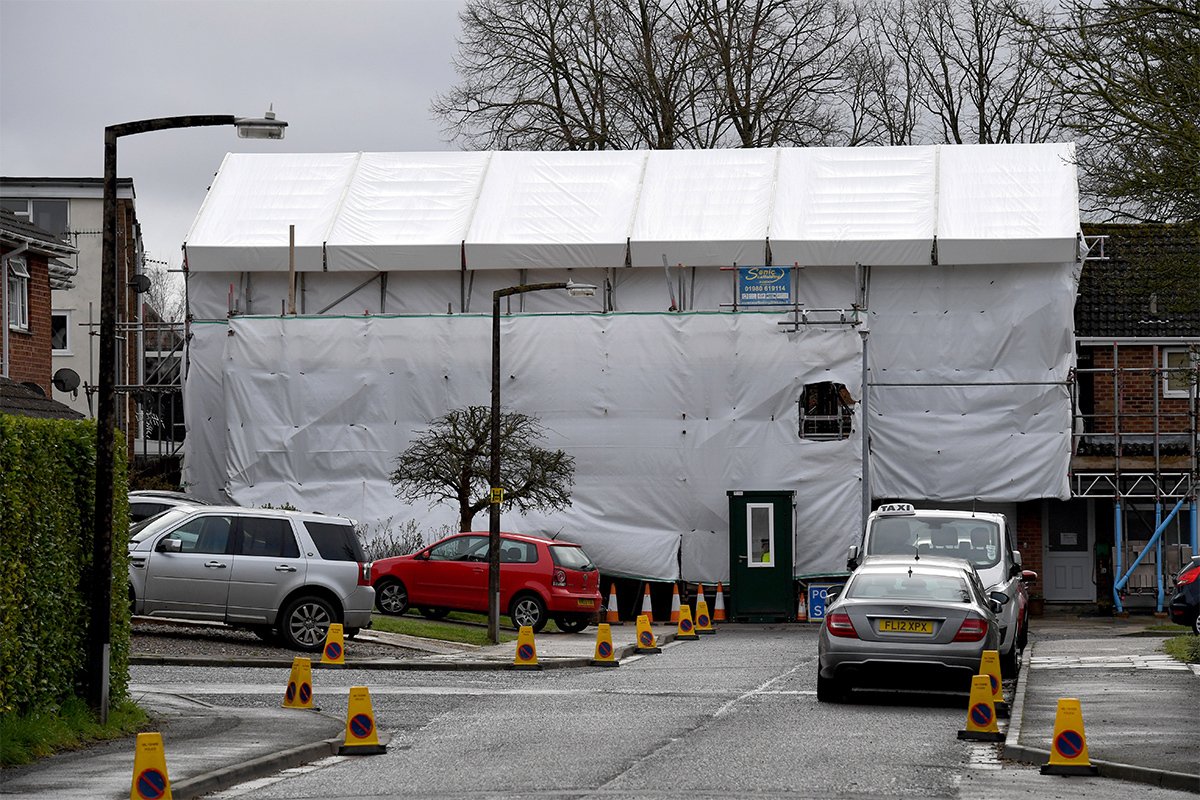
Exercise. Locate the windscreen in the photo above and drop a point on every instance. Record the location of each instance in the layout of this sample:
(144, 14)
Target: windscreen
(906, 586)
(571, 557)
(969, 538)
(148, 527)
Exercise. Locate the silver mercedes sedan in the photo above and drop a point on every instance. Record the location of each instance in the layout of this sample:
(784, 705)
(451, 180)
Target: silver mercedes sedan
(906, 623)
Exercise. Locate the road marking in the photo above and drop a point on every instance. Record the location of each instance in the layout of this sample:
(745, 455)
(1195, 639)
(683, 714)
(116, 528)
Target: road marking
(243, 789)
(1154, 662)
(760, 689)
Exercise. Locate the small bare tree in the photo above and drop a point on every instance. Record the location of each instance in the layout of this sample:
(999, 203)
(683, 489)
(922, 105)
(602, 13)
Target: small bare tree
(451, 461)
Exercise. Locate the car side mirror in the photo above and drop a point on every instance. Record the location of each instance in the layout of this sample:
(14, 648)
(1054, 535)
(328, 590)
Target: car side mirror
(998, 597)
(852, 557)
(1028, 575)
(831, 594)
(1016, 554)
(996, 606)
(169, 545)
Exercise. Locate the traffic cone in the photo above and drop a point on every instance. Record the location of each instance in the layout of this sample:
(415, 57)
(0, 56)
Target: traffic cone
(611, 613)
(686, 631)
(674, 620)
(361, 737)
(645, 636)
(334, 652)
(150, 781)
(989, 664)
(604, 656)
(1068, 750)
(802, 608)
(647, 605)
(299, 689)
(719, 605)
(981, 714)
(703, 620)
(526, 650)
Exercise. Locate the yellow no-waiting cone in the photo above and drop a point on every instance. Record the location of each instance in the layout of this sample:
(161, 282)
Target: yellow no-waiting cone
(362, 738)
(686, 631)
(1068, 750)
(526, 657)
(981, 713)
(299, 692)
(645, 636)
(989, 664)
(334, 652)
(150, 781)
(604, 656)
(703, 620)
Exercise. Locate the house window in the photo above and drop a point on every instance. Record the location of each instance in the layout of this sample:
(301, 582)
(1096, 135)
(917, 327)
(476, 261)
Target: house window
(1179, 370)
(49, 215)
(18, 294)
(60, 333)
(826, 412)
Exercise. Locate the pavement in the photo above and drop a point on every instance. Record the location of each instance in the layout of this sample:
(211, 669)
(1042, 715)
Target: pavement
(1139, 708)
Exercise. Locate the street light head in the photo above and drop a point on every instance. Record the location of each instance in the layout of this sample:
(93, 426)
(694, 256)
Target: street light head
(266, 128)
(580, 289)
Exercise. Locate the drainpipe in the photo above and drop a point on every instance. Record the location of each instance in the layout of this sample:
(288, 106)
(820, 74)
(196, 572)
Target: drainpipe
(11, 255)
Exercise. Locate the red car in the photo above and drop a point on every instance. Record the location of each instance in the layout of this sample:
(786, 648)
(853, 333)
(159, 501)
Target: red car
(540, 579)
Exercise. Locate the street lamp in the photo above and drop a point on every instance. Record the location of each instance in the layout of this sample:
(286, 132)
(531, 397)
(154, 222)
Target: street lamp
(100, 624)
(497, 493)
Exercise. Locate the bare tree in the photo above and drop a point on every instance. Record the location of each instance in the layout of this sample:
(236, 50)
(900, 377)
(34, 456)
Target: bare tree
(957, 71)
(451, 461)
(1131, 69)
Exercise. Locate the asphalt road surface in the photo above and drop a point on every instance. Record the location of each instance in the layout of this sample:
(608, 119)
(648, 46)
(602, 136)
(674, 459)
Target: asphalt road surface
(734, 715)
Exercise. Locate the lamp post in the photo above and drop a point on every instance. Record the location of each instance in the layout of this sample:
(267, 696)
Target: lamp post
(100, 624)
(497, 493)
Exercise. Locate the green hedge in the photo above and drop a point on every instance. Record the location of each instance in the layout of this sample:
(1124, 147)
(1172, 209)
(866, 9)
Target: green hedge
(47, 486)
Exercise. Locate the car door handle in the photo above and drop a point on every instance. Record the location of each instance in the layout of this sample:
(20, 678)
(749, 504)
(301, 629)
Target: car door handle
(215, 564)
(284, 568)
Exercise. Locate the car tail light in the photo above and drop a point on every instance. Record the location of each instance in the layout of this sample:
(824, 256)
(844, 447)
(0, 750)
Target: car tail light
(560, 578)
(1188, 576)
(972, 629)
(364, 573)
(840, 625)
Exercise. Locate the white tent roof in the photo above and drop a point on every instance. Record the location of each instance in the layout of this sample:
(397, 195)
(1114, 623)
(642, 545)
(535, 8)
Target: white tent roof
(504, 210)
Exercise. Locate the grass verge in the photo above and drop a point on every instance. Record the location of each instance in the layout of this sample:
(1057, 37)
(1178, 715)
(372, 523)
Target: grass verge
(1184, 648)
(1169, 627)
(448, 631)
(27, 737)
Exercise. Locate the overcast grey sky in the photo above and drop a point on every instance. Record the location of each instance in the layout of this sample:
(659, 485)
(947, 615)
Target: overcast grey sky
(347, 75)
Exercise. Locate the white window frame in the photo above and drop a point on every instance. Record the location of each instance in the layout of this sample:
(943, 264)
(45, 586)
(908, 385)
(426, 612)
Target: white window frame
(61, 312)
(17, 275)
(1166, 354)
(752, 534)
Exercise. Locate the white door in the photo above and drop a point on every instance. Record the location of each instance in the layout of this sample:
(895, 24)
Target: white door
(1067, 553)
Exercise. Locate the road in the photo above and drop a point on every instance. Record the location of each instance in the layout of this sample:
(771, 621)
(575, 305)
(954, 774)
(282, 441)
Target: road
(734, 715)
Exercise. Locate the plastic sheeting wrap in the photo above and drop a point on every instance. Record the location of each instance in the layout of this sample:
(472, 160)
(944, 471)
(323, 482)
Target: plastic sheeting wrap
(663, 414)
(986, 204)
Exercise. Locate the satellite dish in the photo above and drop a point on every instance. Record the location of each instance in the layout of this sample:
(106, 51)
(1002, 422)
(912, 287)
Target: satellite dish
(140, 283)
(66, 380)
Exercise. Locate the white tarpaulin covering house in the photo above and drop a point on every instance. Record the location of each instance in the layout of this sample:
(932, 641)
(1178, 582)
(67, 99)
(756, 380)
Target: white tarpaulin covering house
(665, 395)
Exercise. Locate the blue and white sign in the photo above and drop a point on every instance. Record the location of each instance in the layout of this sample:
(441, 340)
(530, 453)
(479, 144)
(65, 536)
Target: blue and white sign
(816, 600)
(764, 286)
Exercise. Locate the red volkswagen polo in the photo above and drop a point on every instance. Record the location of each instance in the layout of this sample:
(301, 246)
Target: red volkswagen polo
(540, 579)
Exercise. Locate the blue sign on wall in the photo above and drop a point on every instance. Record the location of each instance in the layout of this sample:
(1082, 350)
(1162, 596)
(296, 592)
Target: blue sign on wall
(764, 286)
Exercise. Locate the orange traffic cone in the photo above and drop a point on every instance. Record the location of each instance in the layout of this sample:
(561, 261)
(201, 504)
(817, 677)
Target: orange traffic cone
(647, 605)
(675, 605)
(802, 609)
(719, 605)
(611, 614)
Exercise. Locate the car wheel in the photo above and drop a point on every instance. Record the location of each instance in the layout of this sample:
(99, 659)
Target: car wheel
(830, 690)
(1196, 625)
(1023, 635)
(433, 612)
(305, 622)
(351, 632)
(1010, 662)
(391, 597)
(572, 624)
(528, 609)
(265, 632)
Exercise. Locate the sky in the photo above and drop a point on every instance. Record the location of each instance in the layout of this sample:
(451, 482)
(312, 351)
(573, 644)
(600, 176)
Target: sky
(346, 75)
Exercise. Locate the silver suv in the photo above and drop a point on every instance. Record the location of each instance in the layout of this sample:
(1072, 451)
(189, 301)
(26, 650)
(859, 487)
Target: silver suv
(278, 573)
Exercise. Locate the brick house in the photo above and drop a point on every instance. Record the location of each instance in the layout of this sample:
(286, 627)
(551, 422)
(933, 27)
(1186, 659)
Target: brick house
(1135, 422)
(32, 267)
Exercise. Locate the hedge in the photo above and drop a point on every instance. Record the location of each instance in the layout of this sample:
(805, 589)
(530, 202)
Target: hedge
(47, 488)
